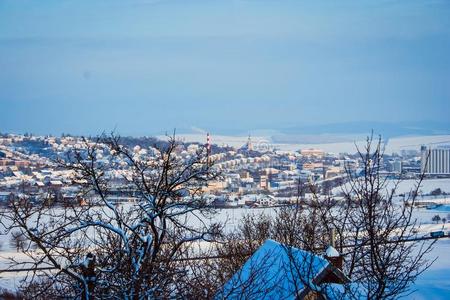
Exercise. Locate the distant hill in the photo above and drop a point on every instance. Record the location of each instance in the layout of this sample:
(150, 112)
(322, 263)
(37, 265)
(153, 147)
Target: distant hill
(387, 130)
(335, 131)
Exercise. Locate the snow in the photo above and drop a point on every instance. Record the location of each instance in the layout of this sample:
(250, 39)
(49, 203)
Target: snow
(426, 186)
(331, 252)
(270, 272)
(340, 144)
(434, 283)
(408, 185)
(414, 142)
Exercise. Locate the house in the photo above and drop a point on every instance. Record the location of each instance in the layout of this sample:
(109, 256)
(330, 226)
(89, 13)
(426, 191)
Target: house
(56, 183)
(276, 271)
(266, 200)
(40, 184)
(5, 197)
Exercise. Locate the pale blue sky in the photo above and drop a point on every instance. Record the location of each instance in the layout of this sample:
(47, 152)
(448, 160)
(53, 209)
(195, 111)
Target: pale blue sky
(150, 66)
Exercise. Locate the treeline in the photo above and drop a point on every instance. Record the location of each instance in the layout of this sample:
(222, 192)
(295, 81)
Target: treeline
(146, 249)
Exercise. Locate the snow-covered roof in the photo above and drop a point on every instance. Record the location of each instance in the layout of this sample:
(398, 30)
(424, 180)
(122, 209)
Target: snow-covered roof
(332, 252)
(274, 271)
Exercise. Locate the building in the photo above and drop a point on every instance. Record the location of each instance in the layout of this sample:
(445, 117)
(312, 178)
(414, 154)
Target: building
(312, 166)
(262, 181)
(435, 161)
(333, 172)
(5, 197)
(312, 153)
(248, 146)
(395, 166)
(276, 271)
(215, 186)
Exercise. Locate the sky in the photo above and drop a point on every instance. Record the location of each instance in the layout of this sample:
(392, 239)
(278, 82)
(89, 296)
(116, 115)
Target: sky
(146, 67)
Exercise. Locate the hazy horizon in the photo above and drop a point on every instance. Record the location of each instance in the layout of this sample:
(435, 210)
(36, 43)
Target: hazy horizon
(146, 67)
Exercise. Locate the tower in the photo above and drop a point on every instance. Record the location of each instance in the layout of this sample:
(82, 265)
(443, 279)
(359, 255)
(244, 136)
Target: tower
(208, 147)
(249, 144)
(208, 143)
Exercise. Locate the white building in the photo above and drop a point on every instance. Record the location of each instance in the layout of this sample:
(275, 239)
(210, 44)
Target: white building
(435, 161)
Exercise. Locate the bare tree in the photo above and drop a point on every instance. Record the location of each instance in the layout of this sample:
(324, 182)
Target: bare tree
(224, 258)
(372, 228)
(377, 228)
(104, 249)
(142, 249)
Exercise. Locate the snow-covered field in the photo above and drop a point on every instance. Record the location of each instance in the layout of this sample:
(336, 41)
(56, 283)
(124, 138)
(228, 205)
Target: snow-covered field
(337, 145)
(434, 283)
(426, 186)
